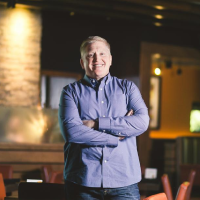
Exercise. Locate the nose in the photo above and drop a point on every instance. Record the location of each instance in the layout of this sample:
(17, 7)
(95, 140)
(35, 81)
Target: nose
(96, 57)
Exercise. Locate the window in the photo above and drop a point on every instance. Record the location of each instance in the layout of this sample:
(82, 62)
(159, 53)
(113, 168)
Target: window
(52, 83)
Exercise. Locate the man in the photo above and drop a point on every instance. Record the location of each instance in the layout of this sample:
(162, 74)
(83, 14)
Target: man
(100, 117)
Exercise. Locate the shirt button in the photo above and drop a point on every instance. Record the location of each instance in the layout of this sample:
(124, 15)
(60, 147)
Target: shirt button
(103, 115)
(119, 133)
(100, 88)
(93, 81)
(105, 161)
(102, 102)
(103, 130)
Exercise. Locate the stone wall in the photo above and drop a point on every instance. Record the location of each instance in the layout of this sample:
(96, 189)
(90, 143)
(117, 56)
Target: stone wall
(20, 47)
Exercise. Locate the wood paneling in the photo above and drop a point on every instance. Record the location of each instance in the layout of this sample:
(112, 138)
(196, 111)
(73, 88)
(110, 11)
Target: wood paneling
(27, 159)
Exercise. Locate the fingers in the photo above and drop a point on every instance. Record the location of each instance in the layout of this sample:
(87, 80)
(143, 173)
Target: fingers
(121, 138)
(130, 112)
(90, 123)
(85, 122)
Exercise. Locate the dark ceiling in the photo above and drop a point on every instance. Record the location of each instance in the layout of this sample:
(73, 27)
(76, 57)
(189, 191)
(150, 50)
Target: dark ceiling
(168, 13)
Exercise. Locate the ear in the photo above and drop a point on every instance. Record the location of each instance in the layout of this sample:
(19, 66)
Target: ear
(82, 63)
(110, 60)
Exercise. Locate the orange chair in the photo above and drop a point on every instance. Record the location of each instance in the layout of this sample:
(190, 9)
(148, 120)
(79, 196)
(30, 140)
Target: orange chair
(6, 171)
(51, 176)
(46, 171)
(191, 181)
(2, 188)
(56, 177)
(167, 187)
(182, 191)
(160, 196)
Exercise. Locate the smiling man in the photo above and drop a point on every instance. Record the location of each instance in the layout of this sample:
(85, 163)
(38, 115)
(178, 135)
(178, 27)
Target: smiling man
(100, 117)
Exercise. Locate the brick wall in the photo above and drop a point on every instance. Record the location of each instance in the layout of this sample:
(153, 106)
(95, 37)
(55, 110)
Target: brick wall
(20, 41)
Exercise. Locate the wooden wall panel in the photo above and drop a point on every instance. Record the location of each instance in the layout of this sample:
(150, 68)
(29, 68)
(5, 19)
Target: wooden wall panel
(27, 159)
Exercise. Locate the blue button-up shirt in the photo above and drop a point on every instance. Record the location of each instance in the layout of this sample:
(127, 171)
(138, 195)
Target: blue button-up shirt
(97, 158)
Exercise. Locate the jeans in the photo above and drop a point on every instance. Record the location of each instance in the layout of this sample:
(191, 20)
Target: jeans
(77, 192)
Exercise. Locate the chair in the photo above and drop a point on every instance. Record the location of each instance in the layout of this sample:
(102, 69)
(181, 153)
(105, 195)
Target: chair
(160, 196)
(51, 176)
(7, 171)
(2, 188)
(167, 187)
(182, 191)
(191, 181)
(46, 171)
(40, 191)
(56, 177)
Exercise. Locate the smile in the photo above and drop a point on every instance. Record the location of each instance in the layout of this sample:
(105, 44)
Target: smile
(98, 65)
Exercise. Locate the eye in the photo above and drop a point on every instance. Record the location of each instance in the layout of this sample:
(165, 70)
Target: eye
(102, 54)
(90, 55)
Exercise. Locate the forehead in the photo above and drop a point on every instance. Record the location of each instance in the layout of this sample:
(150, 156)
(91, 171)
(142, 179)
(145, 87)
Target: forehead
(98, 45)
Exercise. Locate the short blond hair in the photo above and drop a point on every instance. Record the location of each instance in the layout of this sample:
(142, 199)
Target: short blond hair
(90, 40)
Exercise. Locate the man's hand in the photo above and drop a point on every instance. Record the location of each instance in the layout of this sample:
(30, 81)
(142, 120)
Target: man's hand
(130, 112)
(91, 123)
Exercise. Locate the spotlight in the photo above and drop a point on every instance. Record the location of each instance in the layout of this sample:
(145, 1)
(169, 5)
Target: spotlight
(157, 71)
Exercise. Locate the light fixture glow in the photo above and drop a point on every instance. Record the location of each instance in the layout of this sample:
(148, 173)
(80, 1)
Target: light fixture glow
(72, 13)
(159, 7)
(157, 71)
(157, 24)
(158, 16)
(195, 121)
(19, 22)
(156, 55)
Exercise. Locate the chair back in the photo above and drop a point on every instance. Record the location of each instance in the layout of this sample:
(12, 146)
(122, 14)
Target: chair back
(40, 191)
(182, 191)
(6, 171)
(46, 172)
(191, 181)
(160, 196)
(56, 177)
(167, 186)
(2, 188)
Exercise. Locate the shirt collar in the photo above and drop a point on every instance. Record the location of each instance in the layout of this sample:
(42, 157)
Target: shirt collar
(94, 83)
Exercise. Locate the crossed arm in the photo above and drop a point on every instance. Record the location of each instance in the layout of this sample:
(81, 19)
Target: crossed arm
(90, 132)
(95, 125)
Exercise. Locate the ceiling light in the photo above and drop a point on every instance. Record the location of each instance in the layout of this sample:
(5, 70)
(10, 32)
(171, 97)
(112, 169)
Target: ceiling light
(157, 24)
(72, 13)
(157, 71)
(158, 16)
(159, 7)
(156, 55)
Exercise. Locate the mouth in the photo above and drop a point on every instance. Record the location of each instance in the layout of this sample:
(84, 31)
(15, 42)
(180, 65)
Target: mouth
(98, 65)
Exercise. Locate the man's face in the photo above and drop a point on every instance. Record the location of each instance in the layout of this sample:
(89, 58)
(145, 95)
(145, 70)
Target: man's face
(97, 60)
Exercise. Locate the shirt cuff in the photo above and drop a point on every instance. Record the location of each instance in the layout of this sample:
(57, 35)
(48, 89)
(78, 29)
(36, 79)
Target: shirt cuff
(104, 124)
(112, 141)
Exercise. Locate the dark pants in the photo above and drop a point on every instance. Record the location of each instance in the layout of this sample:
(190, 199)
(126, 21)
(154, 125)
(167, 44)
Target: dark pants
(77, 192)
